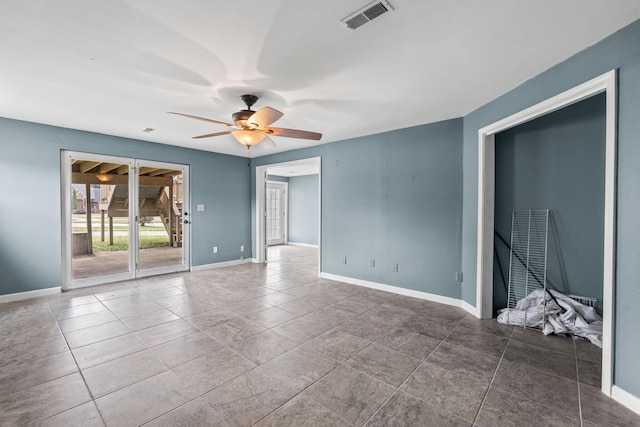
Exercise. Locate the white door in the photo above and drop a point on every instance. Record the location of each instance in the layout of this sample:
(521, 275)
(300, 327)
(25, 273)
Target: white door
(276, 213)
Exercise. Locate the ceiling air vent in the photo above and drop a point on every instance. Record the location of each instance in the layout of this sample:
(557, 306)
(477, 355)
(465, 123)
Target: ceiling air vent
(366, 14)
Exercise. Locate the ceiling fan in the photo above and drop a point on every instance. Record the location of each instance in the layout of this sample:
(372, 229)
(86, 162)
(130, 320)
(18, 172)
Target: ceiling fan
(252, 127)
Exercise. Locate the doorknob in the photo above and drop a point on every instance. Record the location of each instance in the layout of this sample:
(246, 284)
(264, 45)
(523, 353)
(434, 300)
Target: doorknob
(186, 221)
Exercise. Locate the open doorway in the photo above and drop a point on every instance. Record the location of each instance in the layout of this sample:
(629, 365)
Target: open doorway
(605, 84)
(122, 218)
(288, 205)
(554, 162)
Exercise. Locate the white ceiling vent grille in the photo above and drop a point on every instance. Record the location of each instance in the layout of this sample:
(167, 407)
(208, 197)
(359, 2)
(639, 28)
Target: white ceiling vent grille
(366, 14)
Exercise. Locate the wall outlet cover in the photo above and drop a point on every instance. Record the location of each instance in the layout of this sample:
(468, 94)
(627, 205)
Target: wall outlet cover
(215, 249)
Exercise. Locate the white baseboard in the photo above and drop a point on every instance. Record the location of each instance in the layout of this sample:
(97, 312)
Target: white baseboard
(306, 245)
(19, 296)
(627, 399)
(221, 264)
(402, 291)
(470, 308)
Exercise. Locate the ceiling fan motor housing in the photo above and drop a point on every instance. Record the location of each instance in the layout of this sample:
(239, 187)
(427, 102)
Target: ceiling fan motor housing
(249, 100)
(240, 118)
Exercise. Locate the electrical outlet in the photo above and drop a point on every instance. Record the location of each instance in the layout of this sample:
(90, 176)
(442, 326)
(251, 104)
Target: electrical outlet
(458, 276)
(215, 249)
(200, 208)
(241, 248)
(395, 268)
(344, 260)
(373, 262)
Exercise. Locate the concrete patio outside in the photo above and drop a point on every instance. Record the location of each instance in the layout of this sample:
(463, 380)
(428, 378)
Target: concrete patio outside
(105, 263)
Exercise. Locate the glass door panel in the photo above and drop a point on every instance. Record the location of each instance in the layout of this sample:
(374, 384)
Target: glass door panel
(160, 215)
(99, 195)
(275, 213)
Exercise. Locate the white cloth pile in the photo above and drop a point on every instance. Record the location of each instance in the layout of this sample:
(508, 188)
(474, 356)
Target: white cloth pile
(567, 316)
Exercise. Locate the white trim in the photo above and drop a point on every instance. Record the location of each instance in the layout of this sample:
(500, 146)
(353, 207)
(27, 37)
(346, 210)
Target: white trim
(627, 399)
(469, 308)
(398, 290)
(98, 280)
(222, 264)
(19, 296)
(486, 193)
(306, 245)
(65, 216)
(319, 246)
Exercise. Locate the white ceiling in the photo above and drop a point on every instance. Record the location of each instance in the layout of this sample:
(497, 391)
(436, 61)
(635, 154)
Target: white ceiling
(117, 66)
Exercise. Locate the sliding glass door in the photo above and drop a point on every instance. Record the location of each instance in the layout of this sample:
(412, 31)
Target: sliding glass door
(122, 218)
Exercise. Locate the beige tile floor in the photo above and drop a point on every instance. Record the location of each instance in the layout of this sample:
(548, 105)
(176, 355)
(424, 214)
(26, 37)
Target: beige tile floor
(276, 346)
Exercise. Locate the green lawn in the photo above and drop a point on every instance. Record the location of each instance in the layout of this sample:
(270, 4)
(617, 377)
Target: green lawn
(121, 243)
(79, 224)
(96, 227)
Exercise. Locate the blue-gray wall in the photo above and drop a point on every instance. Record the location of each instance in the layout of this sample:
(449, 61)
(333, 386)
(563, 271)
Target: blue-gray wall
(30, 211)
(303, 209)
(394, 197)
(620, 51)
(556, 162)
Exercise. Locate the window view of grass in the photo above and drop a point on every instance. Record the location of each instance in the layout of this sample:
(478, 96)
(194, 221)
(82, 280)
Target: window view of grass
(152, 233)
(79, 224)
(121, 243)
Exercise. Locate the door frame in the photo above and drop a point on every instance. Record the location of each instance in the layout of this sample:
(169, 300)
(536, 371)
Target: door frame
(285, 210)
(66, 226)
(260, 227)
(605, 83)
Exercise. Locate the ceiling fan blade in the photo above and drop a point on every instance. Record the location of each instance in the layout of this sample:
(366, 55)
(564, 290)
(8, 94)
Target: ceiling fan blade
(295, 133)
(201, 118)
(209, 135)
(264, 117)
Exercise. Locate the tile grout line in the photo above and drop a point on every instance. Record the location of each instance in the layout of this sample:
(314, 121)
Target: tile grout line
(339, 364)
(413, 372)
(575, 354)
(81, 375)
(484, 398)
(302, 391)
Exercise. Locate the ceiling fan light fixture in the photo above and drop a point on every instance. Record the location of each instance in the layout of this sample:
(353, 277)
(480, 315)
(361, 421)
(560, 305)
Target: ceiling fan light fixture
(104, 177)
(248, 137)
